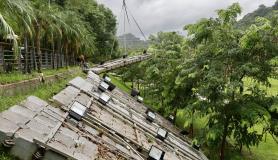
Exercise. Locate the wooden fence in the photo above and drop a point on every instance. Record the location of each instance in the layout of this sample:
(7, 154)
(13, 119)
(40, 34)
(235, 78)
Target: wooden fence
(22, 61)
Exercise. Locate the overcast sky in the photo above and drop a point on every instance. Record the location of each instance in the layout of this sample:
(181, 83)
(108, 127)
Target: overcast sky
(171, 15)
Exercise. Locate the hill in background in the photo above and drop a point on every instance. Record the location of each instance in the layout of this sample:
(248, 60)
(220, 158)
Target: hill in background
(132, 42)
(262, 11)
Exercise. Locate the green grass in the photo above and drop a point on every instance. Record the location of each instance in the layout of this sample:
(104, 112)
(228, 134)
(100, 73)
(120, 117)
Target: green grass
(265, 151)
(44, 91)
(5, 155)
(6, 78)
(126, 87)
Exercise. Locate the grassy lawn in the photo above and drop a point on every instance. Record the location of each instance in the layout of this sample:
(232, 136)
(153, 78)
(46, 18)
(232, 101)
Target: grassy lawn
(6, 78)
(265, 151)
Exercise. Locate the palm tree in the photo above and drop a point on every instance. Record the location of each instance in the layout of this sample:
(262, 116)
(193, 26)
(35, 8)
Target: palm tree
(15, 15)
(12, 9)
(62, 27)
(76, 36)
(40, 8)
(24, 21)
(46, 20)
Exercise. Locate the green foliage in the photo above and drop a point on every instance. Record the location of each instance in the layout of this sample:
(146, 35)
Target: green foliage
(224, 57)
(4, 155)
(161, 71)
(10, 13)
(101, 23)
(205, 73)
(72, 27)
(18, 76)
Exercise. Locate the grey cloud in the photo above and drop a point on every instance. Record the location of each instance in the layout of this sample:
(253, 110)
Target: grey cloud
(171, 15)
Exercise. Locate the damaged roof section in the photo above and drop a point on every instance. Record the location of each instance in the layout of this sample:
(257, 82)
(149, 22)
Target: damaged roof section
(85, 122)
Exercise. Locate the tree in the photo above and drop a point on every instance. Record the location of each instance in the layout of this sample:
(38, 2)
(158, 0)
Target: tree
(12, 9)
(224, 59)
(69, 27)
(100, 22)
(44, 17)
(206, 74)
(162, 69)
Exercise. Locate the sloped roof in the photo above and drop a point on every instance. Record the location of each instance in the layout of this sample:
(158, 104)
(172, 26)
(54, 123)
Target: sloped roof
(118, 129)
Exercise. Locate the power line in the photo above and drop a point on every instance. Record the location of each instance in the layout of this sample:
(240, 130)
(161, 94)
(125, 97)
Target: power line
(135, 21)
(126, 11)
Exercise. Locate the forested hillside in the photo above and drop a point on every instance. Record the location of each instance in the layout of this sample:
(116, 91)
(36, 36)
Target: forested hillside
(262, 11)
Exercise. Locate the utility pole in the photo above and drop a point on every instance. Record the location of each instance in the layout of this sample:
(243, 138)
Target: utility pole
(124, 30)
(125, 19)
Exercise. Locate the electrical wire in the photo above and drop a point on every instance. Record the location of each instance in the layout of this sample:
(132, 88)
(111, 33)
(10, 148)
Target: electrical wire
(126, 11)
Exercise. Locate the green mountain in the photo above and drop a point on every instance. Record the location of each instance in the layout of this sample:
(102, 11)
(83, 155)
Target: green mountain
(132, 42)
(262, 11)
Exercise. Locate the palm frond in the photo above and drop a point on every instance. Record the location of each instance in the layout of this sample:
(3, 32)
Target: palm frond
(8, 31)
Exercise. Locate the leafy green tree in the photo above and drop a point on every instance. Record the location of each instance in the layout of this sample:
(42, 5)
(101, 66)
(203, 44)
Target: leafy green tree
(224, 59)
(13, 10)
(69, 27)
(206, 73)
(131, 74)
(162, 68)
(101, 23)
(45, 16)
